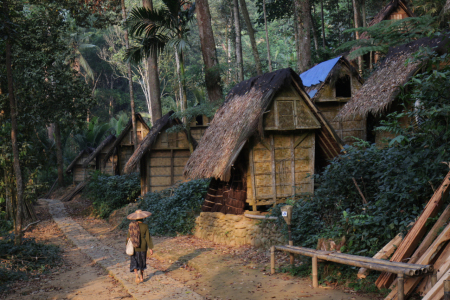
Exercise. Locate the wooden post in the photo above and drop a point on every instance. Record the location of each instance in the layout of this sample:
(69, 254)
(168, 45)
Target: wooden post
(400, 287)
(314, 272)
(274, 170)
(447, 290)
(172, 171)
(293, 165)
(272, 260)
(291, 243)
(252, 174)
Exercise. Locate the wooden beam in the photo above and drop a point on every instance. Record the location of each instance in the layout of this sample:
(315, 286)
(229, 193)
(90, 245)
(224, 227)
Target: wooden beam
(172, 179)
(252, 174)
(300, 140)
(274, 180)
(293, 166)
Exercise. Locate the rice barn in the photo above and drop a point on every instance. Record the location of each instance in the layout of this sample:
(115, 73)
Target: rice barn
(262, 144)
(161, 155)
(123, 147)
(330, 85)
(378, 97)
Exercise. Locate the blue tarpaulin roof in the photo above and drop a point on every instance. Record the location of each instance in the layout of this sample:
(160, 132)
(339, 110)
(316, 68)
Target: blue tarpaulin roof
(319, 73)
(312, 93)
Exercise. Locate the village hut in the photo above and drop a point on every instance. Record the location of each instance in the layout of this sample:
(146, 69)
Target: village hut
(161, 155)
(262, 144)
(330, 85)
(100, 153)
(123, 146)
(394, 10)
(378, 96)
(77, 167)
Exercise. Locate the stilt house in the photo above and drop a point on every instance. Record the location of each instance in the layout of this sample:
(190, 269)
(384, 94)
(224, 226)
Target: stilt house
(378, 96)
(262, 144)
(394, 10)
(77, 168)
(330, 85)
(100, 153)
(161, 156)
(123, 146)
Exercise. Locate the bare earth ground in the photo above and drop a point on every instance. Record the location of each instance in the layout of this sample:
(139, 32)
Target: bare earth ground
(77, 278)
(211, 270)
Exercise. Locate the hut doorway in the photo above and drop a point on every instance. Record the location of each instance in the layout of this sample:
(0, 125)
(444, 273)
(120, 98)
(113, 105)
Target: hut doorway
(343, 87)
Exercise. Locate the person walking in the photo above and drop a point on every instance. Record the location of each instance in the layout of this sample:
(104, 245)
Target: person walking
(139, 235)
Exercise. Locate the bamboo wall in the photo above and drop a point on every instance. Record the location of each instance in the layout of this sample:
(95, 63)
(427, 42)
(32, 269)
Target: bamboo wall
(110, 167)
(80, 173)
(163, 165)
(330, 105)
(126, 148)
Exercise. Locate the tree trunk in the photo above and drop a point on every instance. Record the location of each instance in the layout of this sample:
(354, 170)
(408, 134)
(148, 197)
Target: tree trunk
(50, 131)
(356, 18)
(59, 155)
(269, 59)
(323, 24)
(153, 77)
(237, 28)
(130, 82)
(303, 14)
(180, 74)
(363, 9)
(251, 34)
(314, 31)
(208, 46)
(296, 35)
(111, 99)
(14, 132)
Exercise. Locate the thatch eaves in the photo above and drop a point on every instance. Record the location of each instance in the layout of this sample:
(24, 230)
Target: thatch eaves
(321, 74)
(241, 117)
(383, 86)
(74, 162)
(165, 121)
(121, 136)
(110, 139)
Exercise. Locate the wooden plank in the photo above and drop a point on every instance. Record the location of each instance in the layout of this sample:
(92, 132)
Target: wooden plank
(172, 180)
(252, 171)
(441, 266)
(300, 139)
(275, 111)
(384, 253)
(274, 183)
(417, 232)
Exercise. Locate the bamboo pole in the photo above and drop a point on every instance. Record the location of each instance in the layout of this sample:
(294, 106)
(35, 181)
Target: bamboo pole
(314, 272)
(272, 260)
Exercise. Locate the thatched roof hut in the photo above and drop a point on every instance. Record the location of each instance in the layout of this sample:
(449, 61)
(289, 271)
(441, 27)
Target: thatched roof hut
(123, 146)
(382, 87)
(161, 156)
(77, 168)
(107, 141)
(270, 123)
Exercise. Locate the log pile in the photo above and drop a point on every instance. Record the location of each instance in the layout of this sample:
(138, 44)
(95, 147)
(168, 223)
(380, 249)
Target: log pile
(424, 248)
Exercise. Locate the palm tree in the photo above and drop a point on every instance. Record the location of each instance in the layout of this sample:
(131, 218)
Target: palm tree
(93, 136)
(159, 29)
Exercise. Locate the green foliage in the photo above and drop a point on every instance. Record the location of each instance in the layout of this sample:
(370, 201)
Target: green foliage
(174, 209)
(16, 262)
(93, 135)
(112, 192)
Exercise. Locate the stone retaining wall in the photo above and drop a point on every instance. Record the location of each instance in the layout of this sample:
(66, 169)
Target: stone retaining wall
(236, 230)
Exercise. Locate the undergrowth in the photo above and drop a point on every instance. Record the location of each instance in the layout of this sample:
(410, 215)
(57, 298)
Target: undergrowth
(19, 262)
(173, 209)
(109, 193)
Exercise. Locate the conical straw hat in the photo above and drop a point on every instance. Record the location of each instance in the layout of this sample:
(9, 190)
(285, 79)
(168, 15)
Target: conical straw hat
(139, 214)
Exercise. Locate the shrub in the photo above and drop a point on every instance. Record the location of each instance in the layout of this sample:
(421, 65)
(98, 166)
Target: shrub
(108, 193)
(174, 209)
(29, 257)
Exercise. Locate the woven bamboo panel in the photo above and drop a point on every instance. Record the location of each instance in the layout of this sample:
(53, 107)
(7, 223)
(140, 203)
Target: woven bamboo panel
(160, 171)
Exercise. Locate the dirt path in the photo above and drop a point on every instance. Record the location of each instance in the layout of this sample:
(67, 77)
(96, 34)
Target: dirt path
(77, 278)
(216, 271)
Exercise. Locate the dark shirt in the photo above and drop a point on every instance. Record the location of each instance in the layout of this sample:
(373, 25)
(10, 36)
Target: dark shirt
(146, 239)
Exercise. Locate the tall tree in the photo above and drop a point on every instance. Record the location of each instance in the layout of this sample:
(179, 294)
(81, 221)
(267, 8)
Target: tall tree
(303, 8)
(237, 28)
(14, 130)
(153, 77)
(267, 36)
(130, 80)
(323, 23)
(356, 18)
(208, 45)
(251, 34)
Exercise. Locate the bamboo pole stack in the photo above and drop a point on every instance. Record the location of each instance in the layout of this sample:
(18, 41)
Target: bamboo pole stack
(433, 250)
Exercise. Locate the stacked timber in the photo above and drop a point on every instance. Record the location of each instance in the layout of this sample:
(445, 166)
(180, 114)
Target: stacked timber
(423, 247)
(225, 197)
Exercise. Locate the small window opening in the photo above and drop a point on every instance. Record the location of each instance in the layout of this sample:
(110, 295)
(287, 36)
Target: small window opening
(199, 120)
(343, 87)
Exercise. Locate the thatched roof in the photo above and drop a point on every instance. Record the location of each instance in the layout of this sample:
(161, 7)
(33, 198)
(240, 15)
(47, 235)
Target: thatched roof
(88, 150)
(166, 121)
(240, 117)
(383, 86)
(110, 139)
(321, 74)
(122, 135)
